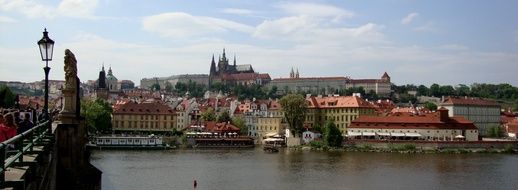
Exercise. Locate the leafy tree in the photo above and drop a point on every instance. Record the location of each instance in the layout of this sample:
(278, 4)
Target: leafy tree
(462, 90)
(422, 90)
(294, 107)
(208, 115)
(435, 90)
(332, 135)
(431, 106)
(240, 123)
(446, 90)
(168, 87)
(97, 114)
(6, 97)
(318, 128)
(272, 93)
(224, 116)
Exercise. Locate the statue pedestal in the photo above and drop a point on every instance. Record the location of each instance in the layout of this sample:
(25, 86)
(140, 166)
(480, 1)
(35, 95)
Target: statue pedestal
(68, 113)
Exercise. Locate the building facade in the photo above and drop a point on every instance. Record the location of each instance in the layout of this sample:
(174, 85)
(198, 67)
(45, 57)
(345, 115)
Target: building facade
(233, 74)
(147, 83)
(432, 127)
(485, 114)
(381, 86)
(329, 85)
(340, 109)
(144, 117)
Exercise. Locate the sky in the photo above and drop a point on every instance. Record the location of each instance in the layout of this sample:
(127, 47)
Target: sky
(415, 42)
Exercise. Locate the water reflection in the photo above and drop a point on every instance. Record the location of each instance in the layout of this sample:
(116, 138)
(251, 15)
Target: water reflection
(254, 169)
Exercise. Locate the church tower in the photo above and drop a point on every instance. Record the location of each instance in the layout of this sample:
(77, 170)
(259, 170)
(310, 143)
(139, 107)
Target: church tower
(292, 74)
(101, 90)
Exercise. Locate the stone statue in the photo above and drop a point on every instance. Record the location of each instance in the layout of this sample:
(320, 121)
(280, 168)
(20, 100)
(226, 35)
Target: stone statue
(70, 99)
(70, 70)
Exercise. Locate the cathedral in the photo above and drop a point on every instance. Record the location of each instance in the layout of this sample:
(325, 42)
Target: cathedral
(232, 74)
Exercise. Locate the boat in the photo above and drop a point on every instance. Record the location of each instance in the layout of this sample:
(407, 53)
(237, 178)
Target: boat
(128, 142)
(273, 144)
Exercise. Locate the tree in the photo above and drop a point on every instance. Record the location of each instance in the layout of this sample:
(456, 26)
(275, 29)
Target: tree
(272, 93)
(240, 123)
(6, 97)
(332, 135)
(435, 90)
(168, 87)
(294, 107)
(97, 114)
(431, 106)
(224, 116)
(422, 90)
(208, 115)
(447, 90)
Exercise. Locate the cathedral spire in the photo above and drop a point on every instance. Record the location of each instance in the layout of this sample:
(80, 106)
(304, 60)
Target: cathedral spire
(224, 57)
(297, 73)
(212, 66)
(234, 60)
(292, 74)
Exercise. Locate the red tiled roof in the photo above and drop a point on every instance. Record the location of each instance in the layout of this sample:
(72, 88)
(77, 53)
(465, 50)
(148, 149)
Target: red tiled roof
(469, 101)
(144, 108)
(246, 76)
(406, 121)
(310, 78)
(512, 127)
(338, 102)
(212, 126)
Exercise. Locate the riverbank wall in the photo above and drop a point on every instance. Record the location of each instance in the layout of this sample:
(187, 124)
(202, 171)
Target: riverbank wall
(434, 145)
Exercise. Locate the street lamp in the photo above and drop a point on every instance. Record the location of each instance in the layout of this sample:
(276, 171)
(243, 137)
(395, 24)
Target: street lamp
(46, 47)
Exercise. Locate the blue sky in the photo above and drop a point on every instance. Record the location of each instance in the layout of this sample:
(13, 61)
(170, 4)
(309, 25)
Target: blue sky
(416, 42)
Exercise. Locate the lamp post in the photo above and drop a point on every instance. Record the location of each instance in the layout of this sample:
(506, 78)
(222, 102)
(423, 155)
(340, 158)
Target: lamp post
(46, 47)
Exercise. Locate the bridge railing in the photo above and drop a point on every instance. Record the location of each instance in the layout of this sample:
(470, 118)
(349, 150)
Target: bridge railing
(13, 149)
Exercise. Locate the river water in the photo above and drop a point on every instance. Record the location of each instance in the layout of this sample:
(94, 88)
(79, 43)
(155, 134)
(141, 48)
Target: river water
(255, 169)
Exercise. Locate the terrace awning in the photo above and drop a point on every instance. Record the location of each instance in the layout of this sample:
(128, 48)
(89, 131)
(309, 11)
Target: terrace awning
(382, 134)
(397, 134)
(413, 135)
(352, 134)
(369, 134)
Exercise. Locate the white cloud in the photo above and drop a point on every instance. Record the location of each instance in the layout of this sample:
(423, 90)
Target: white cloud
(238, 11)
(78, 8)
(28, 8)
(7, 19)
(428, 27)
(179, 24)
(315, 10)
(409, 18)
(67, 8)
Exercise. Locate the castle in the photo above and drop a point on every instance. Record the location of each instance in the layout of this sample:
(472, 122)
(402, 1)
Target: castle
(234, 74)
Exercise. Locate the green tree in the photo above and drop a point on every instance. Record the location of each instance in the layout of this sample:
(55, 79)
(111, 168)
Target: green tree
(422, 90)
(224, 116)
(168, 87)
(294, 107)
(208, 115)
(240, 123)
(97, 114)
(332, 135)
(6, 97)
(431, 106)
(272, 93)
(447, 90)
(435, 90)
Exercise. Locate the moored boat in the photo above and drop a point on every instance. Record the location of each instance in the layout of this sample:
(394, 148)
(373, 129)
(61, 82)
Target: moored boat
(128, 142)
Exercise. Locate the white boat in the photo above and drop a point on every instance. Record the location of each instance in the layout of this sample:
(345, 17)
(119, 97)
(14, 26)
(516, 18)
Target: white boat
(128, 142)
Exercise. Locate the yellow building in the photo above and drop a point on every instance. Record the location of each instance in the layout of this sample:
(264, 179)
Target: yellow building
(267, 126)
(144, 117)
(340, 109)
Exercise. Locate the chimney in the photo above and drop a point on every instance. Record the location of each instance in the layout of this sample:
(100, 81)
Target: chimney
(443, 114)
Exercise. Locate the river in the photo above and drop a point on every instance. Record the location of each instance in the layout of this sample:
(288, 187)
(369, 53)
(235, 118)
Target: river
(255, 169)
